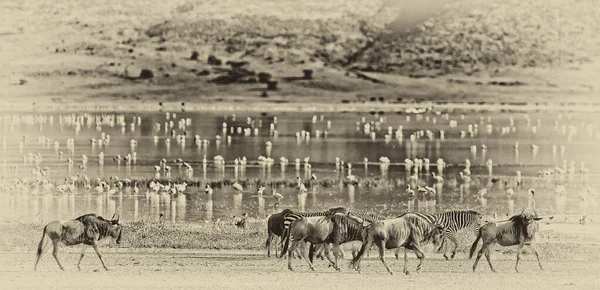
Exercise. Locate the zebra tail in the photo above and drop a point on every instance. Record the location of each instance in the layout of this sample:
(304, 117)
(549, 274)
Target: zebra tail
(474, 246)
(286, 244)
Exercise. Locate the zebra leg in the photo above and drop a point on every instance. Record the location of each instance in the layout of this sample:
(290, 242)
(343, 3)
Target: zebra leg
(381, 245)
(55, 253)
(519, 250)
(532, 247)
(81, 256)
(99, 256)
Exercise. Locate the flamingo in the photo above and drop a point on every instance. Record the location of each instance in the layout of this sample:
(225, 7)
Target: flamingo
(437, 177)
(409, 191)
(238, 187)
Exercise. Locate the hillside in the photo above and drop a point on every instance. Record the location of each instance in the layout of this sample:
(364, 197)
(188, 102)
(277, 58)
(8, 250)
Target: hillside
(448, 49)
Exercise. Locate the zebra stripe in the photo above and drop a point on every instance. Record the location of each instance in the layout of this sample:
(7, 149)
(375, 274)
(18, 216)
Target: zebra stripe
(455, 220)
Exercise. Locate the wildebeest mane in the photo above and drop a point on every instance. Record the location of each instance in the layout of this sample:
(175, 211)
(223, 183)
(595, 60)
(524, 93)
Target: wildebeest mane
(419, 224)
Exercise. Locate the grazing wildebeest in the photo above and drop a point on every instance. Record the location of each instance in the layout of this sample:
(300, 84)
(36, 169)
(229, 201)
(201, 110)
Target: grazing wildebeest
(346, 228)
(408, 231)
(87, 229)
(452, 221)
(518, 230)
(289, 218)
(275, 228)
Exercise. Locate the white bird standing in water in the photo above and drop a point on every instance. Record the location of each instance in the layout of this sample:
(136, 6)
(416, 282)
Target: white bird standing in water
(277, 195)
(208, 190)
(238, 188)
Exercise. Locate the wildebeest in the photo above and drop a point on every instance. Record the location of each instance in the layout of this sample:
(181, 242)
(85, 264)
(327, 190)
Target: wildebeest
(87, 229)
(519, 230)
(408, 231)
(289, 218)
(345, 229)
(452, 221)
(275, 228)
(313, 229)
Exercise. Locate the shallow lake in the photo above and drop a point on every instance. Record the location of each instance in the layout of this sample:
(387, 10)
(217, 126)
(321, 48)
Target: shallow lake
(545, 141)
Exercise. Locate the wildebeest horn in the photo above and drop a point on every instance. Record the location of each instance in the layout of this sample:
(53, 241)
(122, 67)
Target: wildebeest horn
(535, 213)
(113, 217)
(522, 211)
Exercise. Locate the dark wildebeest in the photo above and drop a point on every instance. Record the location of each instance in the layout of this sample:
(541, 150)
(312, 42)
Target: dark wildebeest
(87, 229)
(519, 230)
(408, 231)
(346, 228)
(289, 218)
(313, 229)
(275, 228)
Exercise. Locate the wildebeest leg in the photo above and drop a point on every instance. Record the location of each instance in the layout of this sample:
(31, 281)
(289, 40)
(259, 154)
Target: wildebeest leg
(519, 250)
(381, 245)
(453, 239)
(99, 256)
(485, 248)
(39, 257)
(336, 253)
(55, 253)
(303, 253)
(276, 248)
(405, 262)
(340, 251)
(328, 255)
(268, 244)
(397, 253)
(81, 256)
(488, 253)
(420, 255)
(532, 247)
(291, 250)
(481, 251)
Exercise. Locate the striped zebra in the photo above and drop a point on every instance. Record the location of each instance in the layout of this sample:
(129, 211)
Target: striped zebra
(298, 215)
(453, 221)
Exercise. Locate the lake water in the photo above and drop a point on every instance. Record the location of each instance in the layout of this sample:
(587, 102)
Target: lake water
(345, 139)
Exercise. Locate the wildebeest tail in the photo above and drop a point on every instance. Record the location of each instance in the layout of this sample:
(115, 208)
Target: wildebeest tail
(474, 246)
(365, 245)
(41, 244)
(287, 238)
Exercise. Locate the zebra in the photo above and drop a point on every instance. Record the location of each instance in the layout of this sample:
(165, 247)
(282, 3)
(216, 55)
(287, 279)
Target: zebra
(291, 217)
(452, 221)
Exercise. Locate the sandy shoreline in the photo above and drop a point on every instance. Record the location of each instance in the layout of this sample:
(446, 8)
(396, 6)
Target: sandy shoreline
(148, 106)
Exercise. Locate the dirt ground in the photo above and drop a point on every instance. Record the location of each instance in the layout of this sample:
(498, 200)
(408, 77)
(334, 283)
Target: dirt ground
(205, 269)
